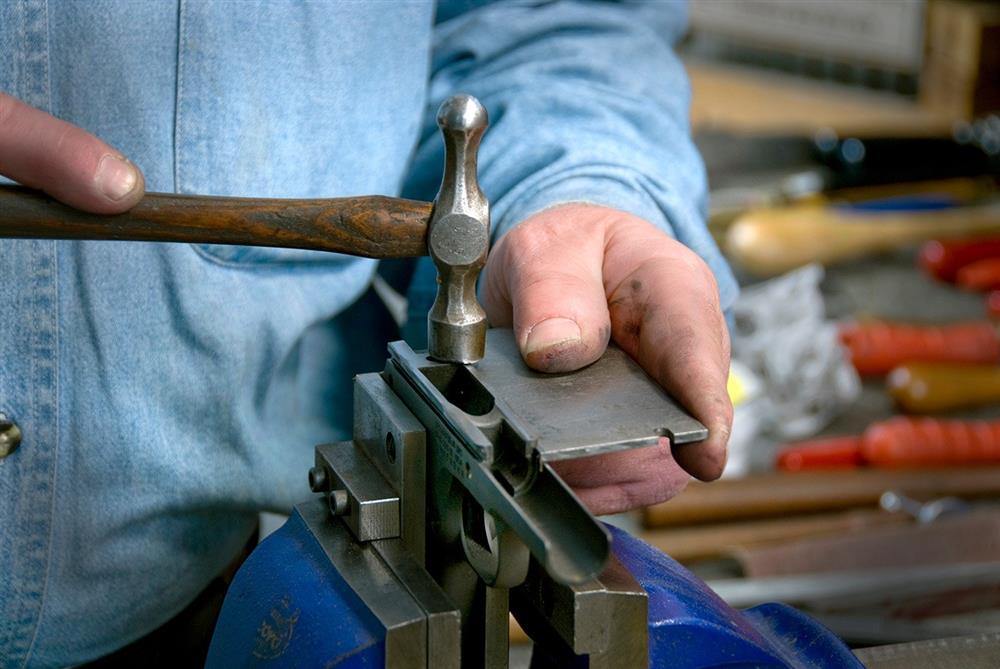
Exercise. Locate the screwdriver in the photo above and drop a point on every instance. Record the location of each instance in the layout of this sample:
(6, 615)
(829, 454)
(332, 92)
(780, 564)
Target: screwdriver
(942, 258)
(926, 388)
(900, 441)
(877, 347)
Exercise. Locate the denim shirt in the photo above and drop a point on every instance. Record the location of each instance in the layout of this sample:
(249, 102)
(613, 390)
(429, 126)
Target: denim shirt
(167, 392)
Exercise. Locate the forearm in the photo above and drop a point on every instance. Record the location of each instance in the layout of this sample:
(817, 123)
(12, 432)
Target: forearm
(588, 103)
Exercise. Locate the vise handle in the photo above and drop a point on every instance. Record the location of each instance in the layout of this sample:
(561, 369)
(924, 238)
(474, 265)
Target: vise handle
(371, 226)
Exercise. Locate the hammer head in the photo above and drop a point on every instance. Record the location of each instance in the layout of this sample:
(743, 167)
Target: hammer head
(458, 237)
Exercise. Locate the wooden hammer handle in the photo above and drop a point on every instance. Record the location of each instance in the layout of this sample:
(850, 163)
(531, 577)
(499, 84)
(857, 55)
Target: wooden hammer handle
(370, 226)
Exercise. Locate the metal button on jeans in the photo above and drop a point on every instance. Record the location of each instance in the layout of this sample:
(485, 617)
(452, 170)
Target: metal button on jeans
(10, 436)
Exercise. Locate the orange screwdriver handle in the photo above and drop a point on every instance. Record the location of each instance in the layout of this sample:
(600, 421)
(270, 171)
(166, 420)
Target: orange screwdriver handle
(927, 442)
(900, 442)
(878, 347)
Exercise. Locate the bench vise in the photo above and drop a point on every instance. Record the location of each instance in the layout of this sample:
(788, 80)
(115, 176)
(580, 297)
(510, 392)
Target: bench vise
(443, 515)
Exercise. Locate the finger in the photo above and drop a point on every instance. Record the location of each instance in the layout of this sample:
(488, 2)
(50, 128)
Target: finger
(545, 280)
(680, 338)
(624, 480)
(74, 167)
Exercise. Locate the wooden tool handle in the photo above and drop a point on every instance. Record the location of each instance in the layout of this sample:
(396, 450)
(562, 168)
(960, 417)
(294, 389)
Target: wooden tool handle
(772, 241)
(771, 495)
(924, 388)
(687, 544)
(371, 226)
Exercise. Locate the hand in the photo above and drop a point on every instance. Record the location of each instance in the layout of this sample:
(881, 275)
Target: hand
(74, 167)
(570, 277)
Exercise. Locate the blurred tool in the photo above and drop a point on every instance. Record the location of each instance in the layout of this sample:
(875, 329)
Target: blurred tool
(901, 442)
(828, 453)
(903, 572)
(926, 388)
(981, 275)
(973, 264)
(687, 544)
(877, 347)
(962, 538)
(776, 240)
(765, 171)
(750, 191)
(742, 185)
(942, 259)
(922, 512)
(748, 173)
(782, 494)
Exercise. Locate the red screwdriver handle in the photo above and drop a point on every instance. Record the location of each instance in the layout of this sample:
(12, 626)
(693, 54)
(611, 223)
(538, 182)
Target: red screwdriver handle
(942, 259)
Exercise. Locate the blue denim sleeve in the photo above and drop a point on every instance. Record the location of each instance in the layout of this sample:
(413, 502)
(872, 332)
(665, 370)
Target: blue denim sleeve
(587, 102)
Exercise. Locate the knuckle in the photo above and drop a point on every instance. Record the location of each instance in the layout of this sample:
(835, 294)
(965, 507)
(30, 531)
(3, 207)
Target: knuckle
(529, 238)
(696, 266)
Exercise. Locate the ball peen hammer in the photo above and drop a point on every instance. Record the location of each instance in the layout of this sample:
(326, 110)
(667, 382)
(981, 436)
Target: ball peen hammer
(453, 230)
(458, 237)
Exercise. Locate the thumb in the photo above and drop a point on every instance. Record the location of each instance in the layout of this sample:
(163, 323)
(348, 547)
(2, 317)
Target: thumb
(545, 280)
(74, 167)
